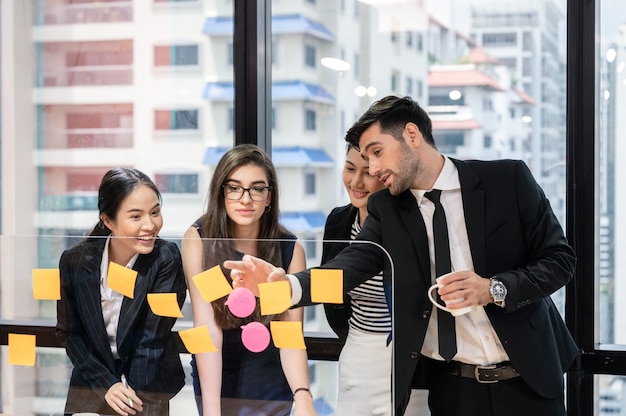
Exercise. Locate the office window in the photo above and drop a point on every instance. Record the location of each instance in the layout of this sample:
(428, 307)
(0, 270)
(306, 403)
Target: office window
(231, 119)
(273, 117)
(310, 248)
(310, 313)
(310, 187)
(230, 58)
(82, 182)
(499, 39)
(309, 56)
(175, 55)
(176, 119)
(409, 86)
(409, 39)
(177, 183)
(310, 122)
(394, 81)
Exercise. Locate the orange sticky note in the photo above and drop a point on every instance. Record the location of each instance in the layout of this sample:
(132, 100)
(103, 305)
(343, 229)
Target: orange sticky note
(164, 304)
(212, 284)
(22, 349)
(122, 279)
(46, 284)
(197, 340)
(275, 297)
(287, 334)
(327, 285)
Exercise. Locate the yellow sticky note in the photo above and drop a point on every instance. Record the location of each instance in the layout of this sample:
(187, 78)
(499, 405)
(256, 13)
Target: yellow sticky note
(275, 297)
(22, 349)
(327, 285)
(212, 284)
(46, 284)
(197, 340)
(164, 304)
(122, 279)
(287, 334)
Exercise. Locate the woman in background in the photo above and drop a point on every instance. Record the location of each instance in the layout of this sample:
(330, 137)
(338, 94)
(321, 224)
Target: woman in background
(363, 321)
(241, 217)
(125, 357)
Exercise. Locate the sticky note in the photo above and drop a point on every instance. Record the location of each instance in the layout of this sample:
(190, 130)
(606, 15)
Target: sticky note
(197, 340)
(287, 334)
(164, 304)
(122, 279)
(22, 349)
(275, 297)
(212, 284)
(46, 284)
(327, 285)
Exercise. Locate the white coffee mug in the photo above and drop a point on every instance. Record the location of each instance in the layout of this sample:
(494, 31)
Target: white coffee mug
(454, 312)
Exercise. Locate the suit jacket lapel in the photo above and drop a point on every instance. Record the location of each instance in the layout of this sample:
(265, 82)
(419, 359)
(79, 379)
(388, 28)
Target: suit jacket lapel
(92, 298)
(474, 209)
(414, 222)
(133, 308)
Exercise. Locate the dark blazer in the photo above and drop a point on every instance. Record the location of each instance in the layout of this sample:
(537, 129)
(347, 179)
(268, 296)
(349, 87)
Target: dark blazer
(145, 342)
(337, 232)
(513, 234)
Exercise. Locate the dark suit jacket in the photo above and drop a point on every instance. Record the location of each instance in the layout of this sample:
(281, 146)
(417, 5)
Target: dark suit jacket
(146, 346)
(337, 232)
(513, 234)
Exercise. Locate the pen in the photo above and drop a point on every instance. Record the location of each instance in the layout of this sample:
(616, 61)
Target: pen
(125, 384)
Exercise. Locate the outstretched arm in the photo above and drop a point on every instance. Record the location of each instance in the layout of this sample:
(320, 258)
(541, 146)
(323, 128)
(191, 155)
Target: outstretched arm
(250, 271)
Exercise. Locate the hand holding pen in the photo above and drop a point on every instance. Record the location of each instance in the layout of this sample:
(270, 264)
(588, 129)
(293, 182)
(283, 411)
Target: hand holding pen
(125, 384)
(122, 398)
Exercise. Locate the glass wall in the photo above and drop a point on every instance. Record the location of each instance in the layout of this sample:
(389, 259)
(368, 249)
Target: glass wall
(88, 85)
(610, 92)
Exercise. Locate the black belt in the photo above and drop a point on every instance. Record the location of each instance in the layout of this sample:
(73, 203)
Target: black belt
(481, 373)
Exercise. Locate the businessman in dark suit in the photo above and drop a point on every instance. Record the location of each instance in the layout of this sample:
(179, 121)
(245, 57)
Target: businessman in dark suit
(508, 253)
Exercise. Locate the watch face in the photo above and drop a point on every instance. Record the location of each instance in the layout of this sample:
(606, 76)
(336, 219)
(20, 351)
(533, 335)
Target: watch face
(498, 291)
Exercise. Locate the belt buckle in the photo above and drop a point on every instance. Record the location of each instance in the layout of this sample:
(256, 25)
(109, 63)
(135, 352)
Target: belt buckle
(477, 373)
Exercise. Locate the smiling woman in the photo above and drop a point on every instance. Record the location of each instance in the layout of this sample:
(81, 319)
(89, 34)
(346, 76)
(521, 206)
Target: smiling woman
(125, 357)
(241, 217)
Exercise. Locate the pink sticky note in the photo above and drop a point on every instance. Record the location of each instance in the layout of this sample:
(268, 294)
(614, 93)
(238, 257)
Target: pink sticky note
(255, 336)
(241, 302)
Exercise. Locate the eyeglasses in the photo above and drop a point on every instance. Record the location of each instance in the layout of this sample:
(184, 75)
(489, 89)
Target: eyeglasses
(257, 193)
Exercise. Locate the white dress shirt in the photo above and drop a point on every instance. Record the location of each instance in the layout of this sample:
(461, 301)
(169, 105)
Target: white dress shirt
(111, 300)
(477, 341)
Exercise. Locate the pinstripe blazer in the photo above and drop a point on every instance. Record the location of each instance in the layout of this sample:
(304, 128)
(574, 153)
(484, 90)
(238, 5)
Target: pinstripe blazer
(146, 346)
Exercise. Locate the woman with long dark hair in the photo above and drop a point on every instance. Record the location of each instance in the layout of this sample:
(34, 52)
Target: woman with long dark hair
(125, 357)
(242, 217)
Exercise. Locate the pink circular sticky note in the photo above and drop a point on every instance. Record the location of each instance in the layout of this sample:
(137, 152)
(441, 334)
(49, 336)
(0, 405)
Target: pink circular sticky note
(255, 336)
(241, 302)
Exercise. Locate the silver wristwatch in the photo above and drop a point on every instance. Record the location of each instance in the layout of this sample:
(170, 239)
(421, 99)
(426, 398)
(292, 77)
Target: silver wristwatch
(497, 290)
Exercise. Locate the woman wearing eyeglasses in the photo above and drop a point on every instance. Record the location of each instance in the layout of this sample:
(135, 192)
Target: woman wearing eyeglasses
(241, 217)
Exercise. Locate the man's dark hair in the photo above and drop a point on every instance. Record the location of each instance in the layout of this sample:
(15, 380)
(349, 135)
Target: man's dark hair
(392, 113)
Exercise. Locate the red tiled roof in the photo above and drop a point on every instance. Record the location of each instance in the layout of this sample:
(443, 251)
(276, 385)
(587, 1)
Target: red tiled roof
(479, 55)
(527, 98)
(468, 78)
(470, 124)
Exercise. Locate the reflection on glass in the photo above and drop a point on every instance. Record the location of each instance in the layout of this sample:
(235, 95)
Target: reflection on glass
(47, 387)
(150, 85)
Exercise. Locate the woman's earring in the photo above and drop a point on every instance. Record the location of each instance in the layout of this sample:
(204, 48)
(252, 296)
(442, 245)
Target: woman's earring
(267, 208)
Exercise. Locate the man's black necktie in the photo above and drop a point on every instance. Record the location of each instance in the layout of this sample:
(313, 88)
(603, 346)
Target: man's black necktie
(445, 326)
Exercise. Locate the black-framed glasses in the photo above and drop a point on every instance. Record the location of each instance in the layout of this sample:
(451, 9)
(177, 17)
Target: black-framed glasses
(258, 193)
